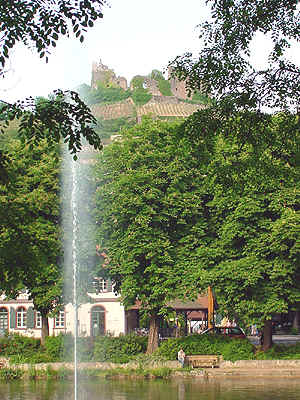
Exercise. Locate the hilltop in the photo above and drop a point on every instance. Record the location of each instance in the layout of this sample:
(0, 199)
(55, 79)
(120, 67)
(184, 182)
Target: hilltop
(117, 104)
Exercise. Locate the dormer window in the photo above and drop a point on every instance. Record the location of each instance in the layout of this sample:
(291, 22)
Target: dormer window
(101, 285)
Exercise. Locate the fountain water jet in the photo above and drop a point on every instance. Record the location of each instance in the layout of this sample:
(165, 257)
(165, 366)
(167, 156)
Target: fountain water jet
(79, 245)
(74, 265)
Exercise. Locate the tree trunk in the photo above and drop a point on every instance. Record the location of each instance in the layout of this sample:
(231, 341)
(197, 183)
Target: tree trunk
(296, 320)
(45, 328)
(210, 310)
(153, 334)
(267, 341)
(177, 326)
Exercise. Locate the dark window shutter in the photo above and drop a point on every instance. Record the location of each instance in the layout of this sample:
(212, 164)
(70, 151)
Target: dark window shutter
(30, 318)
(12, 318)
(109, 285)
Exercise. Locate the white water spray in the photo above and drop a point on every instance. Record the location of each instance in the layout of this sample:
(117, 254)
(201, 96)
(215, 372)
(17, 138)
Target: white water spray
(75, 267)
(79, 245)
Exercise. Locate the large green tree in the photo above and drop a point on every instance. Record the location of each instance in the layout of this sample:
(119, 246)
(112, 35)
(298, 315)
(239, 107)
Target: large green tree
(211, 202)
(240, 256)
(148, 211)
(39, 25)
(250, 252)
(30, 247)
(225, 68)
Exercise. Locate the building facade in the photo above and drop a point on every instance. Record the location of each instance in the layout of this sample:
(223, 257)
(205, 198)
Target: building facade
(103, 314)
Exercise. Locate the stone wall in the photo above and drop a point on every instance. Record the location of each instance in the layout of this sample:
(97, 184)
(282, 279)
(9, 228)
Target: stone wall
(104, 74)
(168, 110)
(113, 111)
(101, 73)
(164, 99)
(159, 105)
(128, 109)
(177, 87)
(150, 84)
(260, 364)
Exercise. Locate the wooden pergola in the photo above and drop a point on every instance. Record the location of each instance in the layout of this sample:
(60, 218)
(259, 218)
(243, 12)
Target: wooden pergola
(200, 309)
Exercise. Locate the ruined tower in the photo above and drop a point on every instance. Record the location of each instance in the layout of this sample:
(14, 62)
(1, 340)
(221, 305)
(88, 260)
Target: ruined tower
(101, 73)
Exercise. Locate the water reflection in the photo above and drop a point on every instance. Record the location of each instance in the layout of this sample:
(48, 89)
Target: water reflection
(188, 389)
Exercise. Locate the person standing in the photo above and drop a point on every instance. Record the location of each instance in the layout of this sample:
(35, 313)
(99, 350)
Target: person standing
(253, 330)
(181, 357)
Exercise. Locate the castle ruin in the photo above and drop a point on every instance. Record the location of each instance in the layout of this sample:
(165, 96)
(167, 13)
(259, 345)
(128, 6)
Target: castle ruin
(159, 105)
(101, 73)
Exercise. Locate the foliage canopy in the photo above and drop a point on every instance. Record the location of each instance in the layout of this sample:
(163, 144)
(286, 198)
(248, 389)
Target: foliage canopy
(148, 204)
(39, 25)
(211, 202)
(250, 251)
(29, 233)
(224, 66)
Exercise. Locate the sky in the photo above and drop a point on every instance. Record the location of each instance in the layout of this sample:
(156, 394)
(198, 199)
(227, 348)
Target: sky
(134, 37)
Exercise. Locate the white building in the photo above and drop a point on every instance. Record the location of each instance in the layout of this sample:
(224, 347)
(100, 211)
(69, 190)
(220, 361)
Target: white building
(102, 315)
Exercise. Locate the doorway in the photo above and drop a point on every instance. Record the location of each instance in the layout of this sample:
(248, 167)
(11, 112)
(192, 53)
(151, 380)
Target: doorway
(98, 321)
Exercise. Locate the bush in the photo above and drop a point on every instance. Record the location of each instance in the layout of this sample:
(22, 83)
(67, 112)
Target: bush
(64, 373)
(141, 96)
(32, 373)
(9, 374)
(238, 349)
(107, 95)
(106, 128)
(162, 373)
(54, 346)
(230, 349)
(280, 352)
(22, 349)
(19, 345)
(30, 358)
(61, 348)
(119, 349)
(165, 87)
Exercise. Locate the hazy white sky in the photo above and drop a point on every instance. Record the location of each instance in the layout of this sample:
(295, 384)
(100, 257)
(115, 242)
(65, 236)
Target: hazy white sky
(134, 37)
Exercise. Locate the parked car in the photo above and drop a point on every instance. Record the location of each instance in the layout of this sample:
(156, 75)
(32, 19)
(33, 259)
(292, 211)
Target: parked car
(231, 331)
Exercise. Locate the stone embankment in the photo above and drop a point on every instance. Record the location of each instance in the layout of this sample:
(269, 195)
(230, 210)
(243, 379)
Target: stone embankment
(257, 368)
(242, 368)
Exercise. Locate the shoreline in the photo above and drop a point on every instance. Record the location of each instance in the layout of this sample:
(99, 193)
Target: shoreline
(155, 370)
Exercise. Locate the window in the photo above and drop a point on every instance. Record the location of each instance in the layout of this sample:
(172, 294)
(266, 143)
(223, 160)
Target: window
(21, 317)
(100, 285)
(38, 319)
(3, 320)
(60, 320)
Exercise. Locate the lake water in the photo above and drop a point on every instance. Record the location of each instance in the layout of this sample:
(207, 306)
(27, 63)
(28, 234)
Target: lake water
(187, 389)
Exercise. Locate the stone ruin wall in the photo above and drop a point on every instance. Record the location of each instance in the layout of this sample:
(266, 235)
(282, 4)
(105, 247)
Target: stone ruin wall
(159, 105)
(149, 84)
(102, 73)
(177, 87)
